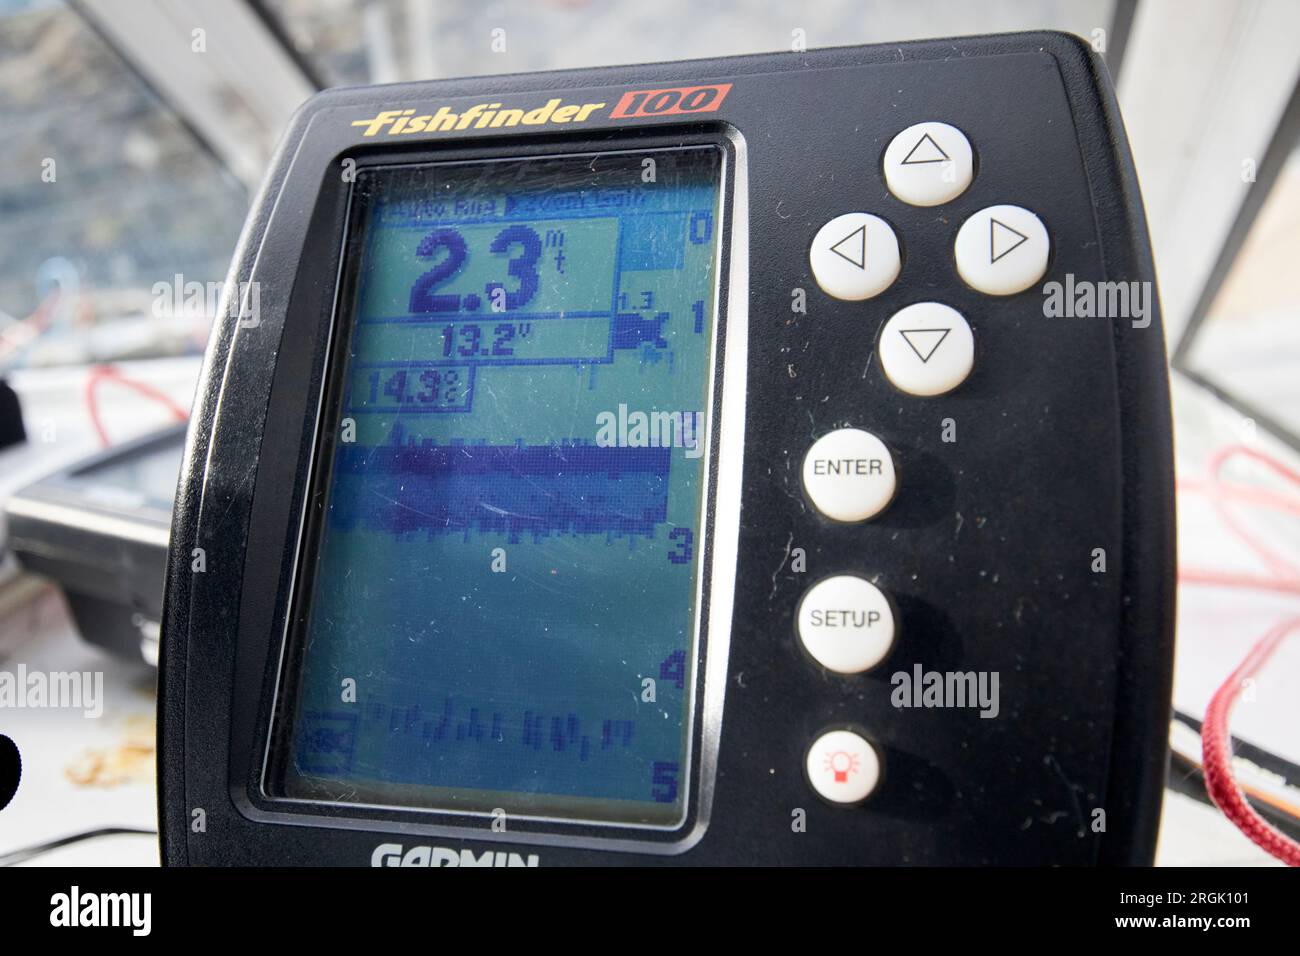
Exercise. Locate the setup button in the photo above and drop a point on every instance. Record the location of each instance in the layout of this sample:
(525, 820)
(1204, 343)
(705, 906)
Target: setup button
(846, 624)
(849, 475)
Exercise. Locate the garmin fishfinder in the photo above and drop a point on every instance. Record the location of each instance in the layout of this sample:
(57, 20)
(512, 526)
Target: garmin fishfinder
(687, 463)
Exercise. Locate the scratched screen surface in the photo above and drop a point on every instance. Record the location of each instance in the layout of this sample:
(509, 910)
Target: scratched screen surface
(508, 565)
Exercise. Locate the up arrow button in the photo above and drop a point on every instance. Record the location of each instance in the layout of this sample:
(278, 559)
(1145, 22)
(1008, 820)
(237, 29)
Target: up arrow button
(929, 164)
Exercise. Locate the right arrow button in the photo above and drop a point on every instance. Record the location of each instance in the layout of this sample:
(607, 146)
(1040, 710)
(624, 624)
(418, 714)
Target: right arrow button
(1002, 250)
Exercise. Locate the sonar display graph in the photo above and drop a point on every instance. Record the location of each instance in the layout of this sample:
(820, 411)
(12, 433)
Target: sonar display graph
(507, 566)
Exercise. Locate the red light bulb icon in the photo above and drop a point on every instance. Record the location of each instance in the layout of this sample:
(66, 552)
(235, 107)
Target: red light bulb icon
(842, 763)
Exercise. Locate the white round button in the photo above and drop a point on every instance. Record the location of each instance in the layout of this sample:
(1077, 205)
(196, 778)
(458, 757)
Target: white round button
(928, 164)
(855, 256)
(846, 624)
(1002, 250)
(843, 766)
(927, 349)
(849, 475)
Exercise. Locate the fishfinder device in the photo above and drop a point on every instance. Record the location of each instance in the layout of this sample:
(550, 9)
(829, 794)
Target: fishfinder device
(696, 463)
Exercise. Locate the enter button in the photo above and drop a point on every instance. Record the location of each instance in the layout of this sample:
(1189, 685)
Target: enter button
(849, 475)
(846, 624)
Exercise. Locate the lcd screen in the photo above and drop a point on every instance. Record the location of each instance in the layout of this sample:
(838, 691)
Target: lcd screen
(502, 595)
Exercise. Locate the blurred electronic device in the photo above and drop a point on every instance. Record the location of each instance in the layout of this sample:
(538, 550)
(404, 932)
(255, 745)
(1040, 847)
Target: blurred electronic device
(11, 417)
(99, 529)
(682, 464)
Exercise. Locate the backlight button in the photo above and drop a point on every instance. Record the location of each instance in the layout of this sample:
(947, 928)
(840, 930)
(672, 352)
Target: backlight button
(843, 767)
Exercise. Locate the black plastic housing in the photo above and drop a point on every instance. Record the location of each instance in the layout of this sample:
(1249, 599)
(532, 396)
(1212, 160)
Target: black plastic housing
(1064, 446)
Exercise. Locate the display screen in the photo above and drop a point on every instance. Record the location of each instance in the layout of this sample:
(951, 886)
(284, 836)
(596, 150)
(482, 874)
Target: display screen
(502, 591)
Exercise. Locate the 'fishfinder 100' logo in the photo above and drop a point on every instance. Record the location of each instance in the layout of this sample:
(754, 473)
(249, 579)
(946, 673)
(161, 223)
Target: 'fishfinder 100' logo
(634, 104)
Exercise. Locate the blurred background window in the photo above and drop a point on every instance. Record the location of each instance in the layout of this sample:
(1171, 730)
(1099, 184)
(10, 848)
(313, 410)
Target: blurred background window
(1244, 339)
(355, 42)
(107, 192)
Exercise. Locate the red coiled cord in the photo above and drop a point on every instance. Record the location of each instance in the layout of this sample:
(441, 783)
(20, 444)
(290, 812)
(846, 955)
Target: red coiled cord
(1216, 752)
(1216, 739)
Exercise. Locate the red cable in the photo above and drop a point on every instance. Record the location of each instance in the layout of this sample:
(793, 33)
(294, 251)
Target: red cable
(110, 373)
(1248, 494)
(1216, 739)
(1216, 753)
(1226, 579)
(1281, 567)
(22, 332)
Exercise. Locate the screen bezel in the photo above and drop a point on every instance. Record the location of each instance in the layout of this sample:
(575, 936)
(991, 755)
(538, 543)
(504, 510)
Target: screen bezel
(717, 571)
